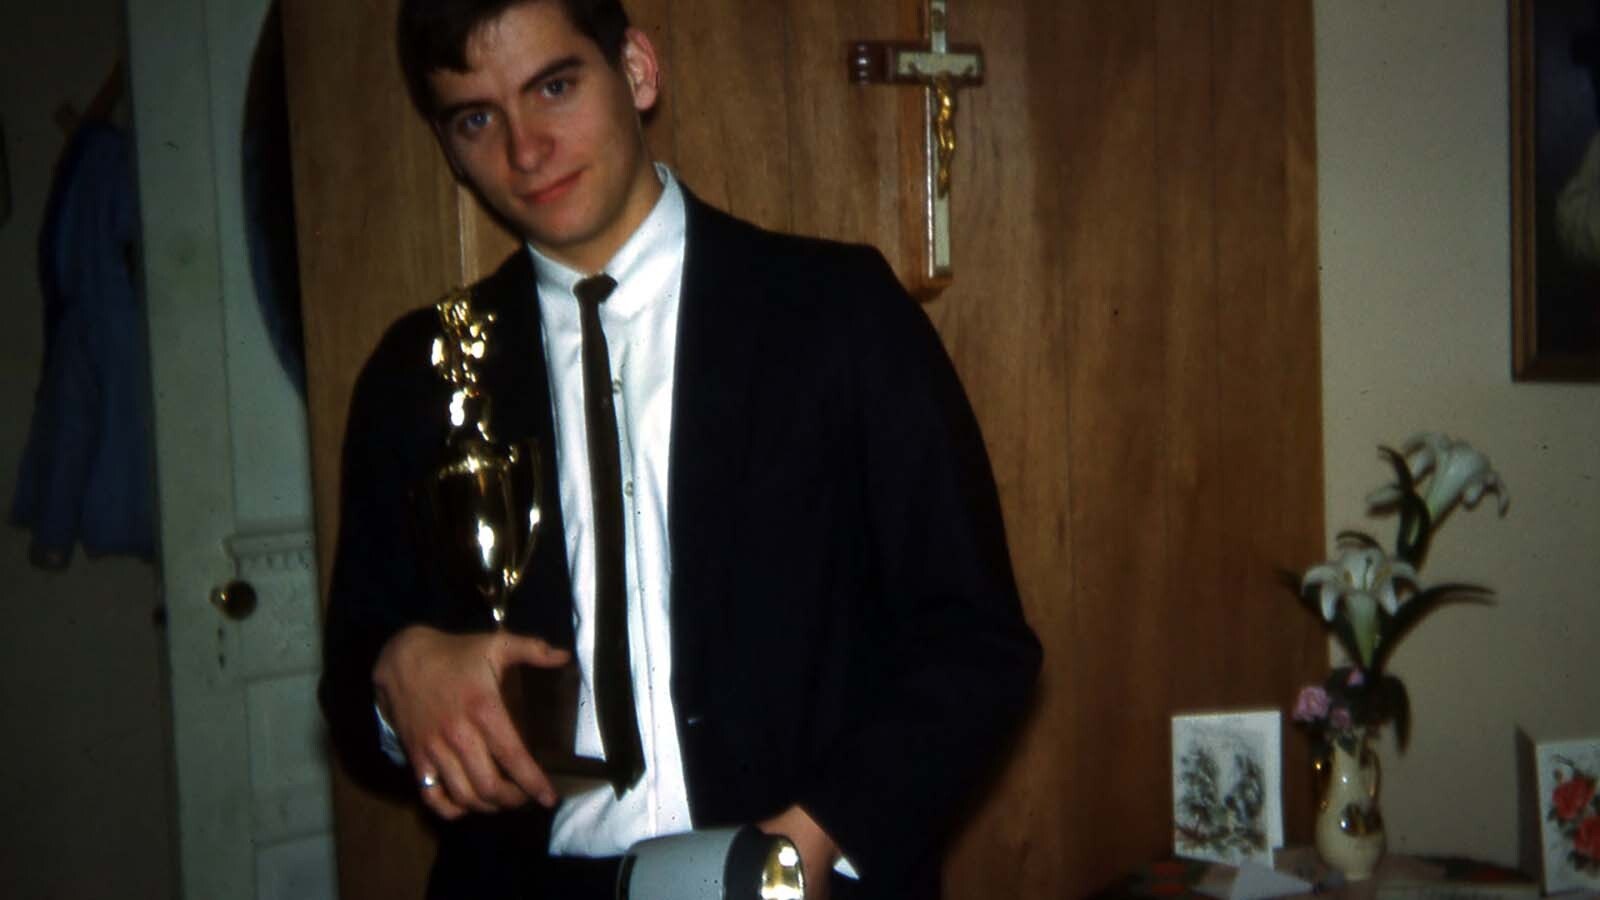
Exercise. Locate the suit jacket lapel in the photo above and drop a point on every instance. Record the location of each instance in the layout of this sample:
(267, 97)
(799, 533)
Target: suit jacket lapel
(716, 353)
(713, 386)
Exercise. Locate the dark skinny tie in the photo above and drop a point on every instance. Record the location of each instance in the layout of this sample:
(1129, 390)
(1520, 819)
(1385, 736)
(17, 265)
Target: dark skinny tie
(613, 676)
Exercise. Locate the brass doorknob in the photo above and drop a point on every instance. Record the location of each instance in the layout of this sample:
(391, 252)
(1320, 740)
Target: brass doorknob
(236, 599)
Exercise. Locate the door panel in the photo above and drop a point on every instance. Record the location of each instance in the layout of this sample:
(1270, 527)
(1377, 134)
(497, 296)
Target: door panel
(1134, 316)
(232, 476)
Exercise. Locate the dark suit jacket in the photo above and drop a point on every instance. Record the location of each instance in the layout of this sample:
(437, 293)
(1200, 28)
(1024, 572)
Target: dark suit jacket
(846, 628)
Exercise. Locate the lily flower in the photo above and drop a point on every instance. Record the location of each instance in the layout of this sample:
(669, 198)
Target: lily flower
(1370, 599)
(1355, 586)
(1463, 474)
(1459, 474)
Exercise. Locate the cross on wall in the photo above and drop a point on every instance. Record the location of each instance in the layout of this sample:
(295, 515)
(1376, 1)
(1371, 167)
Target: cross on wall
(941, 70)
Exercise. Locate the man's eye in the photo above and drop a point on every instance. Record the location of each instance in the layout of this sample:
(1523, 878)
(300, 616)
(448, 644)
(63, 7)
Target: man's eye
(556, 87)
(470, 124)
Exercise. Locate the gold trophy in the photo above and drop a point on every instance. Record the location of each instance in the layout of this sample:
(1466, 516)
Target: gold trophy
(482, 512)
(482, 507)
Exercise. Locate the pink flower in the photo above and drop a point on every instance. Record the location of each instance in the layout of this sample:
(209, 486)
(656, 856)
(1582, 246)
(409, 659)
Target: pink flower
(1340, 718)
(1571, 796)
(1356, 678)
(1311, 705)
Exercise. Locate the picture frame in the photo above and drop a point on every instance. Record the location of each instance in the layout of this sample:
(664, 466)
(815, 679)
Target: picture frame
(1568, 773)
(1555, 187)
(1227, 786)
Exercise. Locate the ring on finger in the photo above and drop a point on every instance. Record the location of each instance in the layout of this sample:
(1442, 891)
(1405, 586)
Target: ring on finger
(428, 781)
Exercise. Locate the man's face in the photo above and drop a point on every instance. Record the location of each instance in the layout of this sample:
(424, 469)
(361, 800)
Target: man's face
(548, 133)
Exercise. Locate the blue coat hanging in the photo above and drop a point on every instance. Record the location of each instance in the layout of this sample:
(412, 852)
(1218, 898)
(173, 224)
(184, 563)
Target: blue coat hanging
(87, 471)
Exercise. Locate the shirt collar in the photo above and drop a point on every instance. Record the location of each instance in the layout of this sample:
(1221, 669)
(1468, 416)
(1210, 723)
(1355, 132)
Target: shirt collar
(660, 234)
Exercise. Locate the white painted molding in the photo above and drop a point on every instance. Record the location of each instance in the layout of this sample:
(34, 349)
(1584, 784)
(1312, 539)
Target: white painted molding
(279, 551)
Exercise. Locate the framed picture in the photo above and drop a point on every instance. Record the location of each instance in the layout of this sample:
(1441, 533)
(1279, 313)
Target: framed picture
(1555, 186)
(1569, 814)
(1227, 786)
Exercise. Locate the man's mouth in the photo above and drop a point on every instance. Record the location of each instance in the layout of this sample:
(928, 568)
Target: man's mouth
(552, 192)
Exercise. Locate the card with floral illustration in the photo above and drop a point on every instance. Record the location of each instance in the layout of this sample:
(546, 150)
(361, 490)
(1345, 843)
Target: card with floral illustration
(1569, 813)
(1227, 786)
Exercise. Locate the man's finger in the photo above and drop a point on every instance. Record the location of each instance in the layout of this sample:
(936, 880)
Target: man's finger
(489, 786)
(434, 794)
(439, 801)
(514, 760)
(458, 787)
(531, 651)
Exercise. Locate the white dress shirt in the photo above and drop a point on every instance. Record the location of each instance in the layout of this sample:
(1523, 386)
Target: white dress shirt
(640, 320)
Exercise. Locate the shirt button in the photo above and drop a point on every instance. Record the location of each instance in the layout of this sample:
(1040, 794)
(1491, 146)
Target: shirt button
(616, 385)
(627, 487)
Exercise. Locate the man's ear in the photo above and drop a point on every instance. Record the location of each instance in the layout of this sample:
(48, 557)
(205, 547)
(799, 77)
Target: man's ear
(642, 68)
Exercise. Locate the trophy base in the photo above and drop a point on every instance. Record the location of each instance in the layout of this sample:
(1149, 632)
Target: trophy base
(576, 774)
(544, 708)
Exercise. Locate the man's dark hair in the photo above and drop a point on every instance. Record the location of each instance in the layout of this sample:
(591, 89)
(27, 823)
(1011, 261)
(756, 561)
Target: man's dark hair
(433, 35)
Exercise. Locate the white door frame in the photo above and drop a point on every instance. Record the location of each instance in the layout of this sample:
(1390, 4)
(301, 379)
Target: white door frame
(253, 811)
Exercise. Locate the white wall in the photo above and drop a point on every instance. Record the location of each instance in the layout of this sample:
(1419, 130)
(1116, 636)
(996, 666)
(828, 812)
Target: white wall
(85, 758)
(1414, 187)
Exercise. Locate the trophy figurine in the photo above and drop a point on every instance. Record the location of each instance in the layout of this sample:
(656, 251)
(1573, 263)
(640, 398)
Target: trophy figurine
(482, 515)
(481, 511)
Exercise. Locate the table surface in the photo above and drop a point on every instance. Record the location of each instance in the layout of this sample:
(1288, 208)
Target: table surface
(1397, 875)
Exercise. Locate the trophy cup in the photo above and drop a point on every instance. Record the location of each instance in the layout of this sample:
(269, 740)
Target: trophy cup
(481, 514)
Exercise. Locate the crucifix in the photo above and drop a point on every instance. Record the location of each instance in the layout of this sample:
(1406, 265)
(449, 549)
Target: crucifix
(941, 70)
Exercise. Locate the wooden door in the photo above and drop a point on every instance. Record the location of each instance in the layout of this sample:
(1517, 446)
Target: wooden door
(1134, 316)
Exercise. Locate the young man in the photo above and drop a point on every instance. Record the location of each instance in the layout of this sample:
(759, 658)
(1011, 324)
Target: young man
(826, 638)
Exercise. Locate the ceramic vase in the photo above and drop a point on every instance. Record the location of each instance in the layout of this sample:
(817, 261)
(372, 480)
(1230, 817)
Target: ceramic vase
(1349, 833)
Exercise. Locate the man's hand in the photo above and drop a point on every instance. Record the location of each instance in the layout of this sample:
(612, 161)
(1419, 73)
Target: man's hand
(818, 852)
(441, 694)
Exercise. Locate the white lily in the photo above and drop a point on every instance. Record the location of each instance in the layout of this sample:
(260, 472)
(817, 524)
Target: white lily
(1361, 580)
(1458, 473)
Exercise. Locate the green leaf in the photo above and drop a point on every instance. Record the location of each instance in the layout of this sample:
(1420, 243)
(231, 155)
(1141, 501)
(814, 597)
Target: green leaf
(1342, 630)
(1291, 580)
(1416, 531)
(1309, 600)
(1359, 537)
(1411, 540)
(1396, 706)
(1361, 615)
(1416, 608)
(1402, 472)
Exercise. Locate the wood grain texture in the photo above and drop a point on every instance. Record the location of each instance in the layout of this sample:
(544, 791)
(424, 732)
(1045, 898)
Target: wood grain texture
(1302, 539)
(730, 109)
(1269, 353)
(1152, 406)
(841, 178)
(379, 233)
(1187, 221)
(1134, 316)
(1116, 444)
(1009, 319)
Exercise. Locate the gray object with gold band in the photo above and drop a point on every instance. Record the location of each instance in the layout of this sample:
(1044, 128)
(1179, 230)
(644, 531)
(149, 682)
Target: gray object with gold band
(715, 864)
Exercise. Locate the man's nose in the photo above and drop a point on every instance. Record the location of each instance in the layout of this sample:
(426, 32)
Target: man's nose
(527, 144)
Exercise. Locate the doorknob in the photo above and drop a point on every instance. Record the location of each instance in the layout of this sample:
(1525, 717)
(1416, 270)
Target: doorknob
(236, 599)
